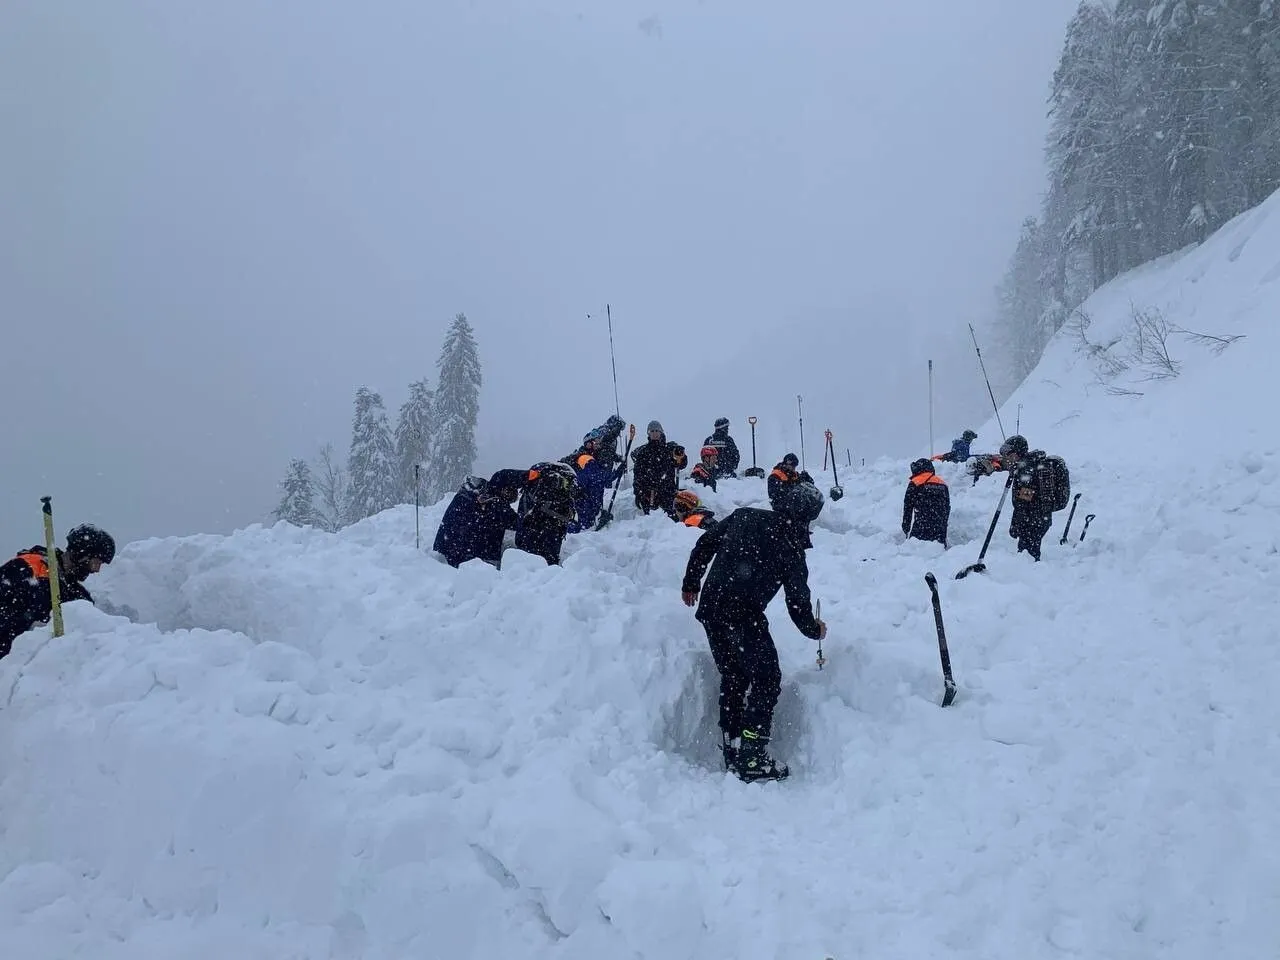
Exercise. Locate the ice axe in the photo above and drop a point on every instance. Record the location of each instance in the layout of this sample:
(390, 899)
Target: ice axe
(755, 471)
(837, 491)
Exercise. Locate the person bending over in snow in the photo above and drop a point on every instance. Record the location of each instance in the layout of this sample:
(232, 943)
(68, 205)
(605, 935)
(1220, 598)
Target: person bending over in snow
(547, 507)
(1032, 513)
(607, 445)
(478, 517)
(926, 508)
(657, 470)
(24, 580)
(755, 553)
(689, 510)
(727, 463)
(783, 475)
(705, 470)
(959, 451)
(594, 478)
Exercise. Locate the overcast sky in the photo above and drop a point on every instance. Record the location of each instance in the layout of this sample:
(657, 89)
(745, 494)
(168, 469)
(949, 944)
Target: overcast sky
(220, 219)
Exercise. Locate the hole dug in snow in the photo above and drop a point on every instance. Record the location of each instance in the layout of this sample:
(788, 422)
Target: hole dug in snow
(691, 728)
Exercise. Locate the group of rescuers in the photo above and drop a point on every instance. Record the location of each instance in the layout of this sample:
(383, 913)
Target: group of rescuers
(752, 553)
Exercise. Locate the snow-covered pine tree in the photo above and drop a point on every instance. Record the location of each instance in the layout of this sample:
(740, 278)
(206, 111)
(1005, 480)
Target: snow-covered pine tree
(371, 470)
(297, 496)
(457, 406)
(413, 433)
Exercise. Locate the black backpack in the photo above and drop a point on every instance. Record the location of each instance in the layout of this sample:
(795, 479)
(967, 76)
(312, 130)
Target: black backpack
(1055, 482)
(551, 490)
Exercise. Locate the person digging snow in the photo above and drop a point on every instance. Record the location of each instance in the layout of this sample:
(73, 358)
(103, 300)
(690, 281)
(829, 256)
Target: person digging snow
(1032, 515)
(783, 475)
(24, 580)
(959, 451)
(753, 553)
(926, 506)
(690, 511)
(594, 478)
(478, 517)
(705, 470)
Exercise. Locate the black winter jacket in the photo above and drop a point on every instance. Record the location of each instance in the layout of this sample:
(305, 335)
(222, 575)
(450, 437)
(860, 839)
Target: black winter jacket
(657, 466)
(926, 508)
(727, 462)
(779, 477)
(24, 593)
(756, 553)
(474, 525)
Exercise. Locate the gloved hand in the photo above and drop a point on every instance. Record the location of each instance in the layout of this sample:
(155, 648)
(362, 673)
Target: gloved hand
(1025, 494)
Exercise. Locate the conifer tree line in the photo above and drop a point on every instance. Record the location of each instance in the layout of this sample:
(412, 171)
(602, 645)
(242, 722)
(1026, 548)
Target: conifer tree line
(435, 429)
(1164, 124)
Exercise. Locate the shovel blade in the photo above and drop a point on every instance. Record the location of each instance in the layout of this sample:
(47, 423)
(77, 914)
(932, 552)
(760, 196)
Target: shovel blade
(837, 492)
(972, 568)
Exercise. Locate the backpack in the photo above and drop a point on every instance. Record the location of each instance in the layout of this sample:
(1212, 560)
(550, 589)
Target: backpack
(552, 490)
(1055, 482)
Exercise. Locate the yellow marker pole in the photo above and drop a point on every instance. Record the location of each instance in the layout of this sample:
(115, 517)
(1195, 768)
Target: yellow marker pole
(54, 598)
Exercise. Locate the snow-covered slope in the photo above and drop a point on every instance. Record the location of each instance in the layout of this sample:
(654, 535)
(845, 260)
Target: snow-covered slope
(315, 746)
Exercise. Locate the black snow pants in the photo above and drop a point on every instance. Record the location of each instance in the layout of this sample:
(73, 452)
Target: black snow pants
(1029, 527)
(750, 678)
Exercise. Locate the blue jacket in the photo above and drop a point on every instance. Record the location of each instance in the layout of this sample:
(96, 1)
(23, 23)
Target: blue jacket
(959, 452)
(473, 525)
(594, 478)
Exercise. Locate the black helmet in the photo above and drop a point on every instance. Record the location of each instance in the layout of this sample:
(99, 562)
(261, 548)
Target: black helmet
(91, 543)
(1016, 445)
(923, 465)
(802, 502)
(968, 435)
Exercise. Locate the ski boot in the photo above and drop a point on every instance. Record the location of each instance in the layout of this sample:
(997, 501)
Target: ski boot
(754, 762)
(729, 748)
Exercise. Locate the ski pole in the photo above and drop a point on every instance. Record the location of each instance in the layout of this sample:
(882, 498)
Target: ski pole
(55, 597)
(617, 407)
(1067, 529)
(990, 392)
(817, 615)
(931, 408)
(800, 408)
(417, 538)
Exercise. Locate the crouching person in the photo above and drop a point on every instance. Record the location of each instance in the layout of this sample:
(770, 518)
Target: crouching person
(478, 517)
(25, 600)
(548, 505)
(689, 510)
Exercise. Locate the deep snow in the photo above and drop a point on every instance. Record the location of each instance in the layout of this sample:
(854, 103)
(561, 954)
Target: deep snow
(317, 746)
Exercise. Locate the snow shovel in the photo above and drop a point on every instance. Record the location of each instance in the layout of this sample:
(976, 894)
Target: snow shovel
(1088, 519)
(949, 683)
(754, 471)
(607, 514)
(1067, 529)
(837, 491)
(981, 567)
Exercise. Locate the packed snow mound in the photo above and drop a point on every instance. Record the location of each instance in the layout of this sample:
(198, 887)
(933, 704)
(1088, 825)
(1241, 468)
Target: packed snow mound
(304, 745)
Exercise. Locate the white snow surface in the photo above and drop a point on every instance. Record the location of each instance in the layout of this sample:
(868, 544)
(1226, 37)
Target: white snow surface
(334, 746)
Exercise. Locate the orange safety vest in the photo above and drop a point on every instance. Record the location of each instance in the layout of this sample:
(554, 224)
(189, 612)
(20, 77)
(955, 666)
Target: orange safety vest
(783, 476)
(583, 460)
(38, 564)
(920, 479)
(694, 519)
